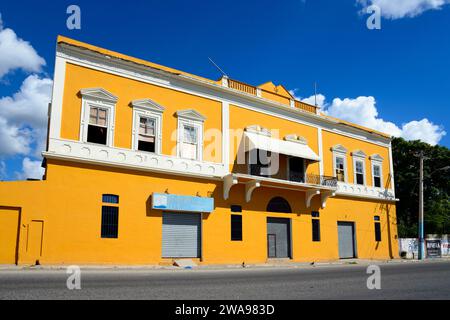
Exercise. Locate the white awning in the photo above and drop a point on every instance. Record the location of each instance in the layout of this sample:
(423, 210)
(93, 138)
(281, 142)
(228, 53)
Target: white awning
(295, 149)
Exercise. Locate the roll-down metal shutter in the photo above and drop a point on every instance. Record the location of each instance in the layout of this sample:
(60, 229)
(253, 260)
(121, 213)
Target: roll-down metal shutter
(346, 240)
(181, 235)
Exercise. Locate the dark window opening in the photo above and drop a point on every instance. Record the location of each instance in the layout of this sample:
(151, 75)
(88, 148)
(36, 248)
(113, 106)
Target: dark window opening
(97, 134)
(316, 230)
(259, 162)
(359, 178)
(236, 227)
(110, 198)
(315, 214)
(377, 182)
(377, 228)
(296, 169)
(236, 208)
(146, 146)
(110, 222)
(279, 204)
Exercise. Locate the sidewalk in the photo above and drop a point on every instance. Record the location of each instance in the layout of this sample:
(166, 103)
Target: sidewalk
(216, 267)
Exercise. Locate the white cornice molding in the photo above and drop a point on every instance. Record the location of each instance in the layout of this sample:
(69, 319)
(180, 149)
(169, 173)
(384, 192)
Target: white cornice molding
(147, 104)
(191, 114)
(98, 94)
(376, 157)
(359, 153)
(258, 130)
(339, 148)
(296, 138)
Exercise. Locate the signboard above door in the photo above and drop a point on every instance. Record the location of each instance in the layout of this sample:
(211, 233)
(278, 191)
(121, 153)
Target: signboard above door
(172, 202)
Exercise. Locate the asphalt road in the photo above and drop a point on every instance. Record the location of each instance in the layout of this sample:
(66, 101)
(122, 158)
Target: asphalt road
(412, 280)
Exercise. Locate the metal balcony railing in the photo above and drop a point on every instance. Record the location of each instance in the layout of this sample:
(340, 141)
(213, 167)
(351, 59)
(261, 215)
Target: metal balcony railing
(325, 181)
(314, 179)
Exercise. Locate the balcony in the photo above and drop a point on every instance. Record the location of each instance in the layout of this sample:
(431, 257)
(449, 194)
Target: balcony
(311, 185)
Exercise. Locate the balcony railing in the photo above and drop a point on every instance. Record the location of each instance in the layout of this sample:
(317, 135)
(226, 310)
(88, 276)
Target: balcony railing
(237, 85)
(312, 179)
(325, 181)
(243, 87)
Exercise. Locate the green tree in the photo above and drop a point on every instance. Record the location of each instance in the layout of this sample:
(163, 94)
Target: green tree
(436, 187)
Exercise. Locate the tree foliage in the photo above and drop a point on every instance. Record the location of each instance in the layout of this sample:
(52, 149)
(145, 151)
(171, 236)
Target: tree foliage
(436, 187)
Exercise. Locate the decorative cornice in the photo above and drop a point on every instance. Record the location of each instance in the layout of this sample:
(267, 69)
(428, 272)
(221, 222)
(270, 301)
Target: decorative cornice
(339, 148)
(376, 157)
(147, 104)
(98, 94)
(359, 153)
(295, 138)
(191, 114)
(258, 130)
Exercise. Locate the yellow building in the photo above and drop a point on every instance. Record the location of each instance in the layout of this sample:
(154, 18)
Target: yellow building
(145, 164)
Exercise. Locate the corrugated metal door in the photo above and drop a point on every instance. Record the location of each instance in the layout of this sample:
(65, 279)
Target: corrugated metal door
(278, 238)
(181, 235)
(346, 237)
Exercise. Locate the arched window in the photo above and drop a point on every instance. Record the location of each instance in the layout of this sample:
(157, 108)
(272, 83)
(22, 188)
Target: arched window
(279, 204)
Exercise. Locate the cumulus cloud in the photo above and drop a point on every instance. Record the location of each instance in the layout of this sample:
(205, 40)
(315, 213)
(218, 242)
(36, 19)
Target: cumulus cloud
(30, 169)
(16, 53)
(397, 9)
(2, 170)
(363, 111)
(23, 118)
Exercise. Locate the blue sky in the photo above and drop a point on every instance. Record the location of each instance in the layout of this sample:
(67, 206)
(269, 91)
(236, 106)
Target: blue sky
(381, 78)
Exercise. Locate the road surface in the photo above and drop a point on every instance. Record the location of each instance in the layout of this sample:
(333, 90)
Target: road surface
(407, 280)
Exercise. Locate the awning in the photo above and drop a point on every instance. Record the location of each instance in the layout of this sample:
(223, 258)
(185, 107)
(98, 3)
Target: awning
(263, 142)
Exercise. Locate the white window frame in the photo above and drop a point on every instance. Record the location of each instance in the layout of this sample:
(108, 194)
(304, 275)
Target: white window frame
(359, 156)
(376, 160)
(340, 151)
(97, 98)
(147, 108)
(194, 119)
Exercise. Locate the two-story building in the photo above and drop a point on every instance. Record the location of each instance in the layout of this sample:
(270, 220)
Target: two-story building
(145, 164)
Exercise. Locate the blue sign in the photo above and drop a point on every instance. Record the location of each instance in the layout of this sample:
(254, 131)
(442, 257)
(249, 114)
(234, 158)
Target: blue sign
(172, 202)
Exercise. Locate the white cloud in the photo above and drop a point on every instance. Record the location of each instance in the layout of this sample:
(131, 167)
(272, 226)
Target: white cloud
(362, 110)
(397, 9)
(31, 169)
(423, 130)
(2, 170)
(23, 118)
(16, 53)
(320, 99)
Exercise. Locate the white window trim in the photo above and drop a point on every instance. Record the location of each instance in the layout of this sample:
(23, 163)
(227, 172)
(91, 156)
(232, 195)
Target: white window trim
(195, 119)
(147, 108)
(376, 160)
(340, 151)
(100, 98)
(359, 156)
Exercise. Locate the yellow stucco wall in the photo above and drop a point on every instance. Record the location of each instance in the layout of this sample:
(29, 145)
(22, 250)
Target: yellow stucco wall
(69, 205)
(60, 218)
(241, 118)
(127, 90)
(330, 139)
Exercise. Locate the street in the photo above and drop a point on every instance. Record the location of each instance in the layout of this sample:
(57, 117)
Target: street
(409, 280)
